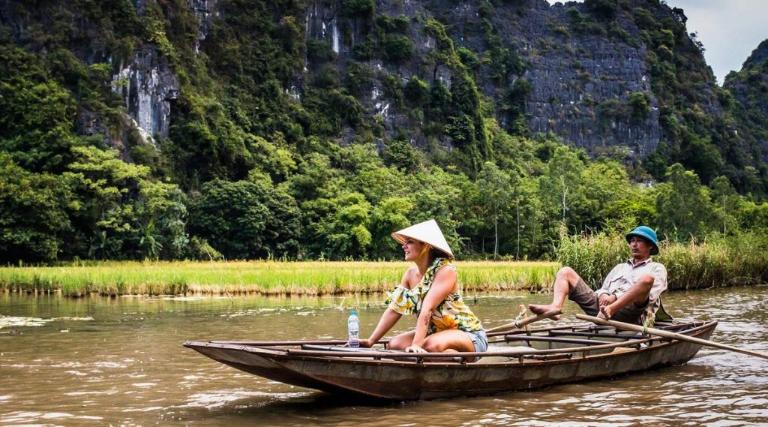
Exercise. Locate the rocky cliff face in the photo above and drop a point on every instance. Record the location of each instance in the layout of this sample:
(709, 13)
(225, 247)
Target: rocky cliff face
(749, 87)
(147, 87)
(603, 75)
(588, 78)
(143, 80)
(573, 75)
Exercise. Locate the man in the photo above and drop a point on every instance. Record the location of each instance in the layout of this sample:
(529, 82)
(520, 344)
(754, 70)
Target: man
(630, 293)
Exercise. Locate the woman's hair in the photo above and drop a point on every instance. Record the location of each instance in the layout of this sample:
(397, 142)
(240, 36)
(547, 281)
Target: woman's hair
(435, 253)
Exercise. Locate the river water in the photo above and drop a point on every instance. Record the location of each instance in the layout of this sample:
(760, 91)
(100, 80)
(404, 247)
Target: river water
(100, 361)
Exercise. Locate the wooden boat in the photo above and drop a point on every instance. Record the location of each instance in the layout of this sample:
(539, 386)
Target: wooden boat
(516, 360)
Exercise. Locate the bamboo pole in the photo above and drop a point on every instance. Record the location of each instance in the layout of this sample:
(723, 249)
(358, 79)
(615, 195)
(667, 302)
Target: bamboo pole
(519, 324)
(668, 334)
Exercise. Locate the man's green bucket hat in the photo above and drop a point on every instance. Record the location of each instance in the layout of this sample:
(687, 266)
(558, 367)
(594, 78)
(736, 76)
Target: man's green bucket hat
(648, 234)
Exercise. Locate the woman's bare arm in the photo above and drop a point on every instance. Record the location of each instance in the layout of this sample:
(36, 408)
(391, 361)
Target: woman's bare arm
(443, 285)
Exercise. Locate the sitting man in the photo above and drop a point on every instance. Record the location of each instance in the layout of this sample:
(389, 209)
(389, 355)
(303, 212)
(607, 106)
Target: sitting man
(630, 293)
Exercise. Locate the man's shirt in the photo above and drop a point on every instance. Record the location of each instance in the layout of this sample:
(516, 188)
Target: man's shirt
(626, 274)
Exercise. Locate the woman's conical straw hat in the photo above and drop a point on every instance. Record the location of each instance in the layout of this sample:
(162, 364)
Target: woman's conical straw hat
(427, 232)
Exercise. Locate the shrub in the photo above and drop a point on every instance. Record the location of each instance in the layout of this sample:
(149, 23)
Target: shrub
(358, 8)
(639, 104)
(416, 92)
(397, 48)
(319, 51)
(468, 57)
(392, 88)
(359, 78)
(365, 50)
(389, 24)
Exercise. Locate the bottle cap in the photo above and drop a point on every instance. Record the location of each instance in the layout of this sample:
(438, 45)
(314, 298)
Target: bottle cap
(354, 311)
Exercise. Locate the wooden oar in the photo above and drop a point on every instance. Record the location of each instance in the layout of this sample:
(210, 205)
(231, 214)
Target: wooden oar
(667, 334)
(518, 324)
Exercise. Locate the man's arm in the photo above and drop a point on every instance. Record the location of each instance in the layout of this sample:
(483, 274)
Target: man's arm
(606, 288)
(659, 273)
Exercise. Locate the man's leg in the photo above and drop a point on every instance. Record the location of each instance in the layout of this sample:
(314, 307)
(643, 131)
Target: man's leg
(566, 281)
(636, 296)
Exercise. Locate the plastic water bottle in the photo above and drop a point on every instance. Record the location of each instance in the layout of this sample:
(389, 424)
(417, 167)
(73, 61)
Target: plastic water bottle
(353, 327)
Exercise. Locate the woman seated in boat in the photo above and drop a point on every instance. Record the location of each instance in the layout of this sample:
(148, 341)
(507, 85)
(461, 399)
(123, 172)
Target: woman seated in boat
(429, 290)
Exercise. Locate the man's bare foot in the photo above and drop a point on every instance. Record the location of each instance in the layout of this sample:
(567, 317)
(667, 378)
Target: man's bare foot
(544, 308)
(606, 312)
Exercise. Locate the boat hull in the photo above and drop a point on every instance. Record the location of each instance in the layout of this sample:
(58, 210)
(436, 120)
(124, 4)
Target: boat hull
(409, 380)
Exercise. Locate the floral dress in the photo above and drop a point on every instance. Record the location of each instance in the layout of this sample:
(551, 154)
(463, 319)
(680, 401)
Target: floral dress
(452, 313)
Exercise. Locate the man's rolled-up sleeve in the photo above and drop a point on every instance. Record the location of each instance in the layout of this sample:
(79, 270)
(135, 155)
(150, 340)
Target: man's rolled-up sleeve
(659, 273)
(606, 288)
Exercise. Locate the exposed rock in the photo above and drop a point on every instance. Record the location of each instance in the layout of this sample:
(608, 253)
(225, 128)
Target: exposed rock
(205, 10)
(147, 86)
(749, 87)
(571, 74)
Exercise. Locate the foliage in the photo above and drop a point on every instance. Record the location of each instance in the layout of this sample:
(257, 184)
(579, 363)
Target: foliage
(267, 159)
(397, 48)
(358, 8)
(33, 217)
(683, 205)
(416, 92)
(246, 219)
(639, 104)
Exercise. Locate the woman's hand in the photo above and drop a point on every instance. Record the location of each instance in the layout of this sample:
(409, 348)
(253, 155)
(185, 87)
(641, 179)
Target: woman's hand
(414, 349)
(366, 343)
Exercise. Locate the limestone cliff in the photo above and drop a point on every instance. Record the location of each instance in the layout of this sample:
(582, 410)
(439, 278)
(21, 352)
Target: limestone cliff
(616, 77)
(749, 87)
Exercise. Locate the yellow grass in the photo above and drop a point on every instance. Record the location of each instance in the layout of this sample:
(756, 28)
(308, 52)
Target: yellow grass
(262, 277)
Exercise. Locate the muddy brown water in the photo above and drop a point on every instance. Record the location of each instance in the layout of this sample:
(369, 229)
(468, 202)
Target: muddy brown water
(100, 361)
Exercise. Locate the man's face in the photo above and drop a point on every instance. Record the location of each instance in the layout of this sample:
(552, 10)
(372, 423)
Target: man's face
(641, 248)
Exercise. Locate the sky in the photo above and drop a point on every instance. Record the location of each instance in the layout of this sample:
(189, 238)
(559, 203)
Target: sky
(729, 29)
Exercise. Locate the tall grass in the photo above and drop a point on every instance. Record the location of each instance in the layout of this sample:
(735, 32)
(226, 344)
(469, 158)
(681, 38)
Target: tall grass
(263, 277)
(718, 261)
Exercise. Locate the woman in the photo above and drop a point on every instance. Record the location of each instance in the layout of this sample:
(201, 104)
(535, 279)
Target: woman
(429, 290)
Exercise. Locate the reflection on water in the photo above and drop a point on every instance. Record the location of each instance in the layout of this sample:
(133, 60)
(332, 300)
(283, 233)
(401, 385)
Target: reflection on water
(120, 361)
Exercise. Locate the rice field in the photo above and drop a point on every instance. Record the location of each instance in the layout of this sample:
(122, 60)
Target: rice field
(258, 277)
(715, 262)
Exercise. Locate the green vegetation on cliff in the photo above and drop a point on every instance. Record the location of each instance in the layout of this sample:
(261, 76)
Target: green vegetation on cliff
(253, 167)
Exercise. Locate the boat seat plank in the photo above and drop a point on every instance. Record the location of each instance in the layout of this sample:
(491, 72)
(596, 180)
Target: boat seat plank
(346, 349)
(555, 339)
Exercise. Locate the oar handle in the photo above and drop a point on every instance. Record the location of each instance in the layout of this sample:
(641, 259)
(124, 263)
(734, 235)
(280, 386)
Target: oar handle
(667, 334)
(528, 320)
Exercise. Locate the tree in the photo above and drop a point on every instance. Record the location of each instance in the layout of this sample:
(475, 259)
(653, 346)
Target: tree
(727, 203)
(247, 219)
(36, 114)
(683, 205)
(378, 183)
(161, 214)
(391, 214)
(119, 212)
(496, 189)
(343, 231)
(232, 217)
(437, 195)
(607, 196)
(33, 217)
(561, 186)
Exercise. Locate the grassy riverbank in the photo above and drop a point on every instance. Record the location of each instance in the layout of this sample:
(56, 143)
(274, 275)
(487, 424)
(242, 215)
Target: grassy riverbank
(263, 277)
(716, 262)
(741, 260)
